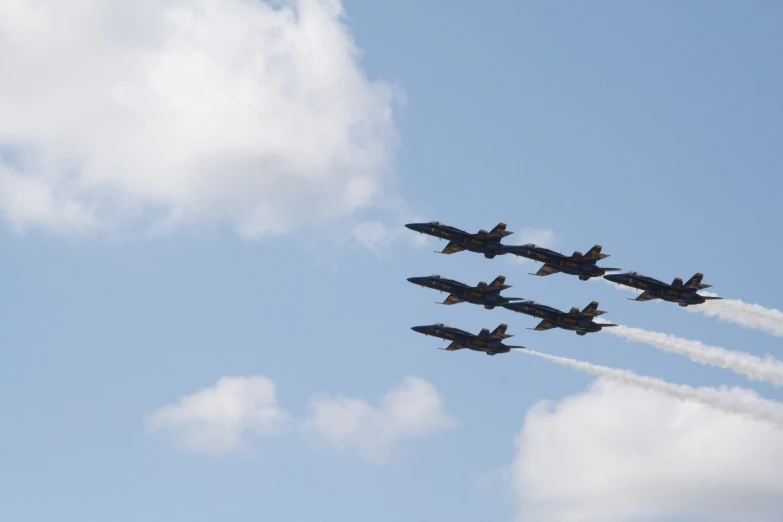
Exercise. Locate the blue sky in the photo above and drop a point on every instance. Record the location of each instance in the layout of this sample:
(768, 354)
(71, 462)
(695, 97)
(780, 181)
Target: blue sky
(651, 130)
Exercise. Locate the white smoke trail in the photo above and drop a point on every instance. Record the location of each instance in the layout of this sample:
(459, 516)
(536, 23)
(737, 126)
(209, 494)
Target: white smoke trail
(746, 314)
(736, 311)
(736, 400)
(767, 369)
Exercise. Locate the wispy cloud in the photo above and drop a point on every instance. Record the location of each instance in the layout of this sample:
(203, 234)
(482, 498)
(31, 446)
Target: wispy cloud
(191, 113)
(412, 409)
(227, 416)
(219, 419)
(539, 236)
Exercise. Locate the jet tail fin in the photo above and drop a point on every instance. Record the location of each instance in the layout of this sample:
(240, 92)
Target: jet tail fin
(595, 253)
(499, 281)
(497, 284)
(695, 282)
(500, 332)
(500, 230)
(592, 309)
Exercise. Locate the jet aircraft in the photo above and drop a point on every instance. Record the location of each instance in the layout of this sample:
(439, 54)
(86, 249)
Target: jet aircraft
(489, 343)
(683, 295)
(483, 242)
(577, 264)
(483, 294)
(580, 322)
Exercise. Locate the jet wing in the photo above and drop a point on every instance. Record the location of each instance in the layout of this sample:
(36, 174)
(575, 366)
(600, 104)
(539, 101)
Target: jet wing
(453, 346)
(644, 296)
(452, 248)
(543, 325)
(452, 299)
(546, 270)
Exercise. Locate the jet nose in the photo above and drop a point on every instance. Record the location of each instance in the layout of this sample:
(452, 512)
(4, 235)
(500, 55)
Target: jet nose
(418, 227)
(615, 278)
(420, 329)
(417, 280)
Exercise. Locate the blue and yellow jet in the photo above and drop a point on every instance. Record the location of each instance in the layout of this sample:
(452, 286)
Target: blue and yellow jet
(486, 341)
(574, 320)
(576, 264)
(483, 242)
(677, 292)
(482, 294)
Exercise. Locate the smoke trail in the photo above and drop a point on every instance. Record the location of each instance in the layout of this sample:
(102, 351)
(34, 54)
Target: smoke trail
(737, 400)
(767, 369)
(746, 314)
(736, 311)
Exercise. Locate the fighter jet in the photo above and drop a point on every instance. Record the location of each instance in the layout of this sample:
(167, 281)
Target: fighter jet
(580, 322)
(489, 343)
(483, 242)
(683, 295)
(576, 264)
(483, 294)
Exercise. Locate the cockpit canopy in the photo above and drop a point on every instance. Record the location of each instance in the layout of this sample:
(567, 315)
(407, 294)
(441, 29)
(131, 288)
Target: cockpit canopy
(434, 223)
(530, 245)
(435, 276)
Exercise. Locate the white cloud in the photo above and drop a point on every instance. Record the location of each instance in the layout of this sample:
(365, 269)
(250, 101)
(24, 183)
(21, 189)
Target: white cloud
(154, 114)
(539, 236)
(223, 418)
(219, 419)
(617, 453)
(379, 237)
(412, 409)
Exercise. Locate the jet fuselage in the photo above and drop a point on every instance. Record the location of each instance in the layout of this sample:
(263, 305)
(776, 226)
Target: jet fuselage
(485, 344)
(564, 320)
(681, 295)
(472, 242)
(585, 268)
(488, 296)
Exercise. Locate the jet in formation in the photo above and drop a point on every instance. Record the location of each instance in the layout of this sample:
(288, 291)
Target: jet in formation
(574, 320)
(483, 294)
(483, 242)
(682, 294)
(576, 264)
(489, 343)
